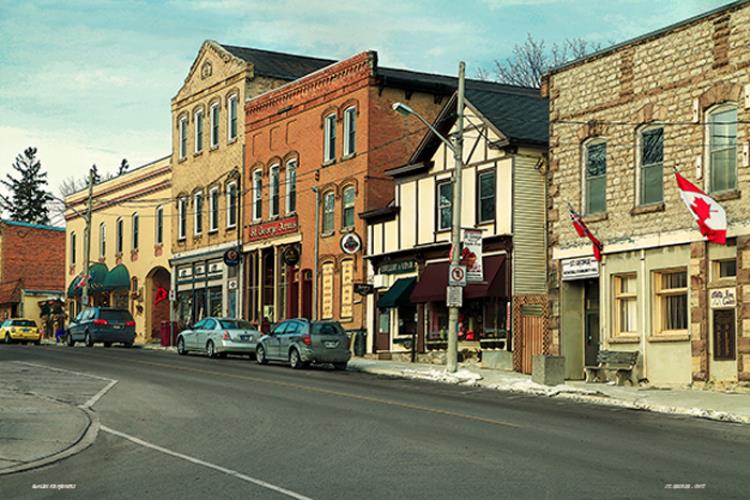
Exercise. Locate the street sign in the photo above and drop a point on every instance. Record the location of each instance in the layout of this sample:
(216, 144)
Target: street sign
(457, 275)
(172, 295)
(455, 296)
(363, 288)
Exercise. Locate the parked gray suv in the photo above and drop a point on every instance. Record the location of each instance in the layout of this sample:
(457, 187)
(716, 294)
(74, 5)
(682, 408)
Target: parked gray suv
(102, 324)
(300, 342)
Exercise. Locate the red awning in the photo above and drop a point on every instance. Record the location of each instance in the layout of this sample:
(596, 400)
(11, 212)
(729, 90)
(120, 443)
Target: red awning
(433, 282)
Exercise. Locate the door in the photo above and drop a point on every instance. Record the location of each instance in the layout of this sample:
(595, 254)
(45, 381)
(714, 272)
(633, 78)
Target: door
(293, 330)
(531, 334)
(273, 342)
(191, 335)
(591, 321)
(383, 330)
(202, 334)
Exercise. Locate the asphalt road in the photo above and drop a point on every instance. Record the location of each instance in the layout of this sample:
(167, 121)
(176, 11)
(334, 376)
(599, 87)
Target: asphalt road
(192, 427)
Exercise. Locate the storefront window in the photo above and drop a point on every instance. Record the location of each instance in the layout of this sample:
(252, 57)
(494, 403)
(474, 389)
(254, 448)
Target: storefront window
(479, 320)
(671, 301)
(184, 306)
(626, 299)
(214, 301)
(199, 304)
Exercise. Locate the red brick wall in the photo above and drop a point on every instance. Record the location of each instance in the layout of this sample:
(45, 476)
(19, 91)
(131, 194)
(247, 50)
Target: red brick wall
(35, 255)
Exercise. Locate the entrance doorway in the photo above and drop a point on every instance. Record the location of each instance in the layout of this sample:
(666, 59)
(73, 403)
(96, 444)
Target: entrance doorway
(591, 322)
(157, 300)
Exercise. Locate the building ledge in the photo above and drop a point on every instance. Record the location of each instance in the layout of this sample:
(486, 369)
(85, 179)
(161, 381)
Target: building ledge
(595, 217)
(625, 339)
(727, 195)
(677, 337)
(647, 209)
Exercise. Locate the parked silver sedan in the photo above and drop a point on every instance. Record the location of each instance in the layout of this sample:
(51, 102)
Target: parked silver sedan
(218, 337)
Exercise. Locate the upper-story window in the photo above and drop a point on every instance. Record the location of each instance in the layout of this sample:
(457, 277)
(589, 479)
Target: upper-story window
(348, 207)
(350, 131)
(329, 145)
(73, 247)
(291, 186)
(651, 173)
(486, 196)
(198, 119)
(232, 118)
(119, 229)
(135, 229)
(329, 206)
(273, 191)
(722, 145)
(231, 204)
(183, 132)
(102, 240)
(159, 226)
(214, 125)
(182, 218)
(213, 209)
(595, 177)
(444, 205)
(198, 213)
(257, 195)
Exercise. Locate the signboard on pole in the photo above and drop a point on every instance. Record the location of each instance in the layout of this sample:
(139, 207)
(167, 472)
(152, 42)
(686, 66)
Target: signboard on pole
(580, 268)
(457, 275)
(471, 255)
(455, 297)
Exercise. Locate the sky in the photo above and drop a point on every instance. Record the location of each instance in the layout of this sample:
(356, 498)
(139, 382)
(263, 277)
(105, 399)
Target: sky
(91, 81)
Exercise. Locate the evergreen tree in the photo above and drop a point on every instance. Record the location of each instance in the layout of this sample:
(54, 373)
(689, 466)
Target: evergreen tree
(97, 177)
(28, 197)
(124, 166)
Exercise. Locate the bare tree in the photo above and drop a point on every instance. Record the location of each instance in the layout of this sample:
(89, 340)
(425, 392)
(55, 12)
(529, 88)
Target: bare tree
(531, 60)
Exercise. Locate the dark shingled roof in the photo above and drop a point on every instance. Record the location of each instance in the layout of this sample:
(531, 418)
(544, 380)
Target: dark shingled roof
(278, 64)
(521, 118)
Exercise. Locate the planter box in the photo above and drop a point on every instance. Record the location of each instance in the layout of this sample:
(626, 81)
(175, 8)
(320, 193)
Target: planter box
(497, 360)
(548, 370)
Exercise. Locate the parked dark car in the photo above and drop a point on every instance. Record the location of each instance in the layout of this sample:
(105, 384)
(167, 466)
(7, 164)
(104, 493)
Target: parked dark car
(300, 342)
(102, 324)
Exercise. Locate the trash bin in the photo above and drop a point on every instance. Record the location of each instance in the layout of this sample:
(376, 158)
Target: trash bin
(360, 342)
(166, 337)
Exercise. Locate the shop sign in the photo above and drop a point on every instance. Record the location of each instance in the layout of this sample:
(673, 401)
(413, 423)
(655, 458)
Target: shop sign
(231, 257)
(580, 268)
(291, 255)
(363, 288)
(232, 284)
(455, 296)
(272, 229)
(457, 275)
(471, 255)
(723, 297)
(172, 294)
(351, 243)
(398, 267)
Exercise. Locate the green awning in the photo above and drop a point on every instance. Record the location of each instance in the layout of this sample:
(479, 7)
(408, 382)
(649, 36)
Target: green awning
(98, 273)
(117, 279)
(398, 294)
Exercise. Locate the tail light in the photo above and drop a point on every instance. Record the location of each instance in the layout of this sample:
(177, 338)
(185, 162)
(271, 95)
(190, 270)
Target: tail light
(101, 322)
(130, 323)
(227, 336)
(306, 339)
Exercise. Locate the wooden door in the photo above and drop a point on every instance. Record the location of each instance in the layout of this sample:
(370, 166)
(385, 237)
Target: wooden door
(532, 334)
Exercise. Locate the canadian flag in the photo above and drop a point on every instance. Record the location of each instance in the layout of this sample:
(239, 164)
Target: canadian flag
(583, 231)
(710, 216)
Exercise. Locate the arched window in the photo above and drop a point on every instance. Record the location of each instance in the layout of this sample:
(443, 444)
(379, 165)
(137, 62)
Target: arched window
(257, 195)
(182, 217)
(350, 131)
(291, 186)
(213, 209)
(214, 125)
(73, 248)
(198, 124)
(231, 204)
(650, 171)
(119, 228)
(183, 137)
(159, 226)
(349, 195)
(135, 228)
(198, 213)
(722, 148)
(329, 138)
(232, 118)
(329, 206)
(273, 191)
(595, 176)
(102, 240)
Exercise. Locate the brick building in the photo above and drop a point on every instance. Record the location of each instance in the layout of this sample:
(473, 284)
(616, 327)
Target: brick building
(620, 121)
(208, 140)
(32, 268)
(333, 130)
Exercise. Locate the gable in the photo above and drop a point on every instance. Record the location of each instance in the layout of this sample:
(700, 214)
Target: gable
(212, 65)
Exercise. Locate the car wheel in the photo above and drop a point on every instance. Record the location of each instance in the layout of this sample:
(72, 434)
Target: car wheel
(108, 344)
(210, 349)
(8, 340)
(295, 361)
(260, 355)
(70, 341)
(339, 366)
(181, 347)
(88, 341)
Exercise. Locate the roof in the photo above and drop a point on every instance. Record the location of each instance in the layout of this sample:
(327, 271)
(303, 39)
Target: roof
(521, 118)
(10, 292)
(31, 225)
(118, 177)
(443, 83)
(278, 64)
(649, 36)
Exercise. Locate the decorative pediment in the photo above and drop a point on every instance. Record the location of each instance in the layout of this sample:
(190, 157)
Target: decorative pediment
(212, 65)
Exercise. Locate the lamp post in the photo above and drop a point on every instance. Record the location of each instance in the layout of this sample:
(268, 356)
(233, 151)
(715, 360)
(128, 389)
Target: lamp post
(316, 190)
(456, 146)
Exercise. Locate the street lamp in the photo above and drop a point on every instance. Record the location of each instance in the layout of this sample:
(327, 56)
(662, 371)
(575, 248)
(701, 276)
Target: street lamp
(456, 146)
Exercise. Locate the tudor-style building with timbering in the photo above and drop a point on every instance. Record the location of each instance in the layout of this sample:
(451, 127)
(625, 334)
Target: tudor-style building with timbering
(621, 120)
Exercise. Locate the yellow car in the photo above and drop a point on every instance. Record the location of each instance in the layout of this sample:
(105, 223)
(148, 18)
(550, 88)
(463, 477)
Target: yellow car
(17, 329)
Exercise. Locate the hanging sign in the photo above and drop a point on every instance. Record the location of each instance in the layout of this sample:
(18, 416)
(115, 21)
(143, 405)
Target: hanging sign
(351, 243)
(363, 288)
(291, 255)
(471, 255)
(231, 257)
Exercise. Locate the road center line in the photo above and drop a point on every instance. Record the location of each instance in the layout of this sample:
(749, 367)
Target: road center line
(197, 461)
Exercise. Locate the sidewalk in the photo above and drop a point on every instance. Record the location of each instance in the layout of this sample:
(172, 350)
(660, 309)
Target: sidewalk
(713, 405)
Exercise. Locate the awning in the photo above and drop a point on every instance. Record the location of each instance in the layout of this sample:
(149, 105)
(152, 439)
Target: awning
(98, 273)
(398, 294)
(433, 282)
(118, 278)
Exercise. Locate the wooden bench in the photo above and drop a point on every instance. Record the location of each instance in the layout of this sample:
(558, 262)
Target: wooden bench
(619, 362)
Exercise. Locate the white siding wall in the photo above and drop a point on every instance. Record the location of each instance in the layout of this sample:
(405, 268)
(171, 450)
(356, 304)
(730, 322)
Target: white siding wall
(529, 255)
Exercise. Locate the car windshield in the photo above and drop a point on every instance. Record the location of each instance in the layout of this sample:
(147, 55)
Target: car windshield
(23, 322)
(115, 314)
(328, 328)
(236, 324)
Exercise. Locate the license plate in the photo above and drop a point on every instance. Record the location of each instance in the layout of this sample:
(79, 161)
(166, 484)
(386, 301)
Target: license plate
(116, 327)
(244, 338)
(331, 344)
(27, 330)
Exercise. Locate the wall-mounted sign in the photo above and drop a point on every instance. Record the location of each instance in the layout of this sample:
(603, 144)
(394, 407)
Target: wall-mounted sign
(397, 267)
(723, 297)
(291, 255)
(579, 268)
(232, 284)
(272, 229)
(471, 255)
(455, 296)
(363, 288)
(457, 275)
(351, 243)
(231, 257)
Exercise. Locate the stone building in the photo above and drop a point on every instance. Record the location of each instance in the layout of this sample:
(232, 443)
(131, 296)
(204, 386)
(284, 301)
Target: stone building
(620, 121)
(208, 140)
(333, 131)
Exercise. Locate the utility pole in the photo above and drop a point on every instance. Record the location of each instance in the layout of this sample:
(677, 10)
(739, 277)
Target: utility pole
(316, 190)
(87, 242)
(458, 146)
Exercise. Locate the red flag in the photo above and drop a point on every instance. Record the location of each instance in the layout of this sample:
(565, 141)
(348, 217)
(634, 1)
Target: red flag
(583, 231)
(710, 216)
(160, 295)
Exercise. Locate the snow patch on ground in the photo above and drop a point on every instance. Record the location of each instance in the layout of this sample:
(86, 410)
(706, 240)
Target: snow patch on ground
(462, 376)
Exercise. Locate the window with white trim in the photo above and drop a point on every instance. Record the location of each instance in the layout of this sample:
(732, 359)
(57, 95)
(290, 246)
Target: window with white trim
(651, 166)
(119, 229)
(486, 196)
(198, 122)
(257, 195)
(198, 213)
(625, 306)
(329, 141)
(273, 191)
(349, 195)
(159, 226)
(213, 209)
(444, 205)
(182, 218)
(215, 125)
(671, 290)
(73, 248)
(102, 240)
(183, 137)
(232, 118)
(291, 186)
(329, 206)
(231, 204)
(135, 229)
(595, 176)
(722, 148)
(350, 131)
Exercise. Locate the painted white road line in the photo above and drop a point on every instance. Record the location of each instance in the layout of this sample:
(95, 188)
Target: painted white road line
(95, 397)
(198, 461)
